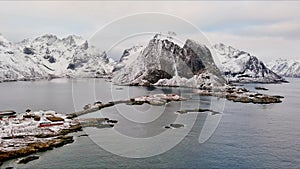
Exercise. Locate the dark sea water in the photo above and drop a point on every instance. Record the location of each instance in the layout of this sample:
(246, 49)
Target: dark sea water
(248, 135)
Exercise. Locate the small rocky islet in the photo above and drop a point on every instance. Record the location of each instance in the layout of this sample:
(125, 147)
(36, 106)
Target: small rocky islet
(243, 95)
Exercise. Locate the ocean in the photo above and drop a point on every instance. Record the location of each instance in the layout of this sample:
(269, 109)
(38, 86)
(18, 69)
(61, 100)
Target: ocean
(242, 136)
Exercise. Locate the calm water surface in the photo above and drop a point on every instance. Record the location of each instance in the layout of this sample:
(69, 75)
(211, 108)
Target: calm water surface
(248, 136)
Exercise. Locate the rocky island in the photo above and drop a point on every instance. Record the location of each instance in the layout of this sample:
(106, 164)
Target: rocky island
(30, 132)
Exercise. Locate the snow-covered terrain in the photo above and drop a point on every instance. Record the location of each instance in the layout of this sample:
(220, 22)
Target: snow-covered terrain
(240, 66)
(129, 56)
(165, 63)
(287, 68)
(48, 56)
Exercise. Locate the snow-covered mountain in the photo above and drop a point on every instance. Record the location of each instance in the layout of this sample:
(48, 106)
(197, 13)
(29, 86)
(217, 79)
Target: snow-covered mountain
(48, 56)
(128, 56)
(240, 66)
(163, 62)
(287, 68)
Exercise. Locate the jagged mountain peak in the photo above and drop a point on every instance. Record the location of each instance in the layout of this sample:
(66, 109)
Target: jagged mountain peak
(73, 40)
(164, 62)
(130, 51)
(4, 42)
(229, 51)
(47, 55)
(285, 67)
(48, 39)
(241, 66)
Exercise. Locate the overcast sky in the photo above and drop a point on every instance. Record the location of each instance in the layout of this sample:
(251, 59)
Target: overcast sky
(266, 29)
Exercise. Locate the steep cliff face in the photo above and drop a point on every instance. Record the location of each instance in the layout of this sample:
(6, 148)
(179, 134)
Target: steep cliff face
(48, 56)
(240, 66)
(163, 62)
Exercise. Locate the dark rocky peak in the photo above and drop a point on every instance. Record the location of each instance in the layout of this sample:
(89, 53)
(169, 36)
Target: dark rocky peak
(85, 45)
(229, 51)
(201, 57)
(72, 40)
(28, 51)
(49, 39)
(130, 51)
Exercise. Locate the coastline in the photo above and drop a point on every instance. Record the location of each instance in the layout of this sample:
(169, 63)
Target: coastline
(48, 141)
(33, 132)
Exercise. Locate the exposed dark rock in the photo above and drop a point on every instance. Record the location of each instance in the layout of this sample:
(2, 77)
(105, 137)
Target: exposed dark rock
(37, 118)
(71, 129)
(112, 121)
(62, 140)
(87, 106)
(279, 97)
(46, 56)
(105, 126)
(71, 116)
(9, 167)
(83, 135)
(51, 59)
(260, 88)
(164, 59)
(28, 159)
(54, 118)
(71, 66)
(28, 51)
(44, 135)
(97, 102)
(176, 125)
(154, 75)
(192, 110)
(260, 99)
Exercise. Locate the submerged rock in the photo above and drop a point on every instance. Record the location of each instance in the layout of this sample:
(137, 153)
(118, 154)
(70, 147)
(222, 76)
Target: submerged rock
(112, 121)
(260, 88)
(28, 159)
(83, 135)
(174, 125)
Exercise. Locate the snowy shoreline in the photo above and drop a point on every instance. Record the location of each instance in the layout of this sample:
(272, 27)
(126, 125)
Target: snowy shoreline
(36, 131)
(30, 132)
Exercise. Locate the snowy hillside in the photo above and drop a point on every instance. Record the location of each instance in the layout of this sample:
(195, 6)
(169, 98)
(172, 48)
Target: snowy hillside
(164, 63)
(129, 56)
(240, 66)
(287, 68)
(48, 56)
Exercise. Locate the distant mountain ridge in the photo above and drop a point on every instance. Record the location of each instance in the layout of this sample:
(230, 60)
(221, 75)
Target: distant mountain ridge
(160, 62)
(49, 56)
(284, 67)
(241, 66)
